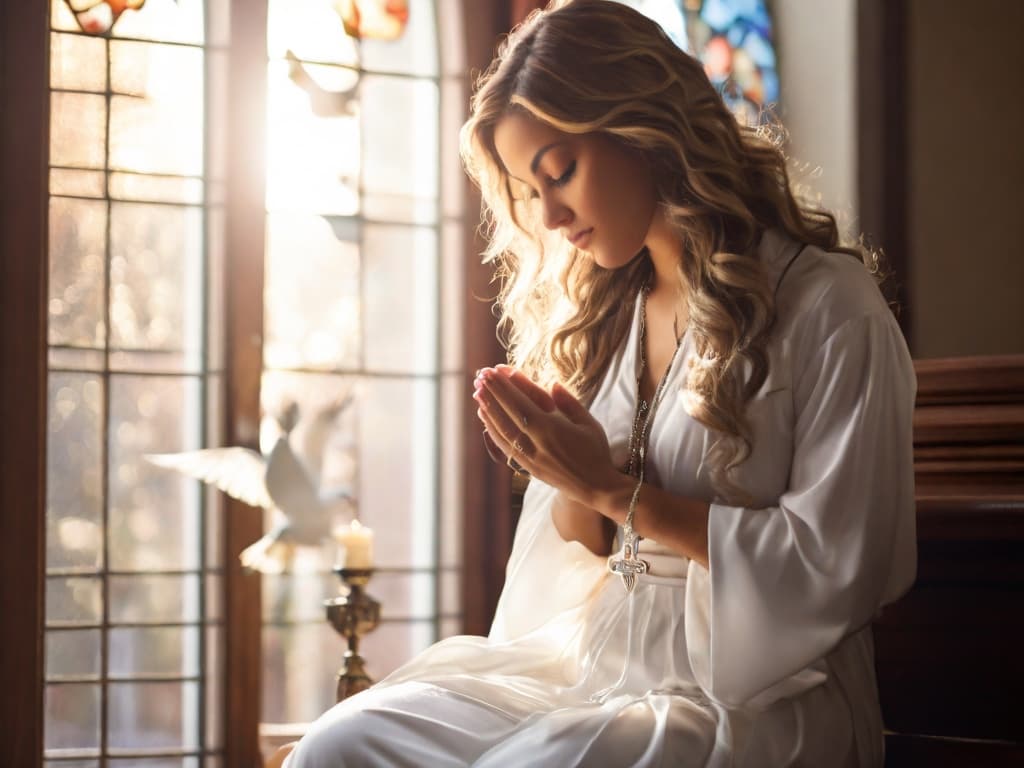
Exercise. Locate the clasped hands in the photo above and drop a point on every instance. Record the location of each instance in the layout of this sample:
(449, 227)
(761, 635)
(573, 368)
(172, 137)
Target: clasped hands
(551, 435)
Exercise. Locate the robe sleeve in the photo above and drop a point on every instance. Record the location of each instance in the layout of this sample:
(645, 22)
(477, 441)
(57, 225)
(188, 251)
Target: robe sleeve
(548, 581)
(787, 583)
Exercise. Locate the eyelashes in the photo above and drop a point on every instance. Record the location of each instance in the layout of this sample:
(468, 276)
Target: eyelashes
(561, 181)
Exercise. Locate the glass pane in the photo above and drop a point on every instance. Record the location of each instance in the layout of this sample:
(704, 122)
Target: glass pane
(153, 652)
(171, 20)
(214, 518)
(401, 287)
(310, 29)
(154, 599)
(73, 653)
(300, 667)
(78, 236)
(394, 643)
(154, 512)
(455, 398)
(72, 716)
(398, 469)
(71, 763)
(156, 280)
(454, 295)
(152, 715)
(334, 450)
(78, 135)
(67, 358)
(76, 183)
(78, 62)
(75, 600)
(74, 472)
(312, 146)
(154, 762)
(404, 595)
(312, 295)
(218, 104)
(165, 189)
(61, 16)
(414, 53)
(216, 326)
(158, 128)
(400, 148)
(214, 688)
(293, 597)
(454, 102)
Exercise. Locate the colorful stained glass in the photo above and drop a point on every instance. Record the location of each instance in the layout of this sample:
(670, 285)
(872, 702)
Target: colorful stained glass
(733, 38)
(96, 17)
(374, 19)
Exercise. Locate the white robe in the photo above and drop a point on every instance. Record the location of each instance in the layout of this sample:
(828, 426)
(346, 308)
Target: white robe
(763, 659)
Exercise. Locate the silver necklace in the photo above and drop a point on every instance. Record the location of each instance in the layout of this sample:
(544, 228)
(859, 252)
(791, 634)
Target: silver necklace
(627, 563)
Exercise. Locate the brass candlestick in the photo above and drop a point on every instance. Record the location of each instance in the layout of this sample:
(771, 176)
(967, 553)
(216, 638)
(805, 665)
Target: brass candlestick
(353, 614)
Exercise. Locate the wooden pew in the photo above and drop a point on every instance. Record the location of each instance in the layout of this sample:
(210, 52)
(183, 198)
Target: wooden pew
(950, 654)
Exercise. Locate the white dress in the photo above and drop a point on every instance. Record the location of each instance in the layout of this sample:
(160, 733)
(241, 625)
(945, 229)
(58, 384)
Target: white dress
(763, 659)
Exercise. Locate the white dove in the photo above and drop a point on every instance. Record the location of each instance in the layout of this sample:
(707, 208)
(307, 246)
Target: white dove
(283, 481)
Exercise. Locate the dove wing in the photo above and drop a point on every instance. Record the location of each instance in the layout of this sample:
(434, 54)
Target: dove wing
(239, 472)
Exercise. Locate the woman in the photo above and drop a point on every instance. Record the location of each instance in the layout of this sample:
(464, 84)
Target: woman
(714, 403)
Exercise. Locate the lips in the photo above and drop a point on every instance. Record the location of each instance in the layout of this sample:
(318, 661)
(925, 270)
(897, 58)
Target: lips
(580, 238)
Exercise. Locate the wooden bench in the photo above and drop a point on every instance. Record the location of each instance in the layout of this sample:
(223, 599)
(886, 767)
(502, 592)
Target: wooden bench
(950, 654)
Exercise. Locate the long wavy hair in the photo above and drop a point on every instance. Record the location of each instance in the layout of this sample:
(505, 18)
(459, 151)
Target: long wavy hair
(596, 66)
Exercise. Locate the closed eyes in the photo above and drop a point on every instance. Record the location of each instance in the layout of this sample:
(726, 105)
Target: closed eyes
(561, 181)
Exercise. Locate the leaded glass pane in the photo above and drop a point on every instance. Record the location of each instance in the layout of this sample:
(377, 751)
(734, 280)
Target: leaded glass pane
(153, 652)
(397, 469)
(73, 654)
(156, 284)
(77, 183)
(78, 131)
(73, 601)
(311, 29)
(178, 21)
(313, 137)
(78, 62)
(154, 599)
(72, 717)
(78, 238)
(401, 289)
(400, 148)
(454, 100)
(164, 189)
(299, 666)
(153, 716)
(414, 53)
(158, 127)
(312, 293)
(394, 643)
(74, 472)
(154, 512)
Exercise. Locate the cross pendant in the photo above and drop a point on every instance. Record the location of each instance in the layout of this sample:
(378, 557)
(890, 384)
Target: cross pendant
(627, 565)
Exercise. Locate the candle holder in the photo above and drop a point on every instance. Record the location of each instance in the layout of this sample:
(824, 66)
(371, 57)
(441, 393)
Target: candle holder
(353, 614)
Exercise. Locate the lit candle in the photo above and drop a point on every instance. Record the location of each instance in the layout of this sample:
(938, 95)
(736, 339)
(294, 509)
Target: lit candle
(357, 539)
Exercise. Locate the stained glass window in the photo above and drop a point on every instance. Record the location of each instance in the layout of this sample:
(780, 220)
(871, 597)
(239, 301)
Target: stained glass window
(734, 40)
(363, 300)
(133, 570)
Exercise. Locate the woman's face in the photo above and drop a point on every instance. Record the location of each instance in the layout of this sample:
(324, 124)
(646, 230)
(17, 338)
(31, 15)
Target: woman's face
(597, 193)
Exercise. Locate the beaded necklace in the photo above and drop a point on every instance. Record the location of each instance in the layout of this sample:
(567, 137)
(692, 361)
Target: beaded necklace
(627, 564)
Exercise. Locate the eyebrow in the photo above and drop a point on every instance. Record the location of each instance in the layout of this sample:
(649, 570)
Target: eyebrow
(540, 153)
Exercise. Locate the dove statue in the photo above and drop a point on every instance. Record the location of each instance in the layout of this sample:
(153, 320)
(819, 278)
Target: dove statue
(287, 481)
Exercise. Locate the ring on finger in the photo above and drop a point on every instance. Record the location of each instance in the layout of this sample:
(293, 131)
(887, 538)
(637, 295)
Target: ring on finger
(517, 444)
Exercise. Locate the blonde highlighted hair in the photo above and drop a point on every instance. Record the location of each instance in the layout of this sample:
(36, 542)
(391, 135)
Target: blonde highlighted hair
(597, 66)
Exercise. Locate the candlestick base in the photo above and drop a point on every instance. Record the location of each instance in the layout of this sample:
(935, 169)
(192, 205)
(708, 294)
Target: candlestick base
(353, 614)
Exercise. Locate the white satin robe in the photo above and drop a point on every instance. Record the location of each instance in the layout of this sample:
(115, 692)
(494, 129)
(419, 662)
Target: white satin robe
(765, 658)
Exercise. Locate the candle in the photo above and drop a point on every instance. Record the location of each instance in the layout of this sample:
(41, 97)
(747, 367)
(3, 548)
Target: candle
(357, 540)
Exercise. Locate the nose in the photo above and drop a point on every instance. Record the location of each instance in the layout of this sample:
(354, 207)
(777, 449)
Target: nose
(556, 213)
